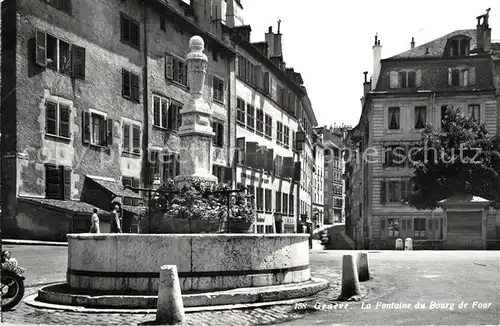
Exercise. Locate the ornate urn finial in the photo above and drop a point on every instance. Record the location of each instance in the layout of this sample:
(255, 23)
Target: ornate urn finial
(197, 66)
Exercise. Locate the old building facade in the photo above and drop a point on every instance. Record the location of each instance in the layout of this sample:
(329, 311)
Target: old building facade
(407, 91)
(93, 108)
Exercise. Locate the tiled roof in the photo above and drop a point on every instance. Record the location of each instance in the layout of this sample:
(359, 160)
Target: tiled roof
(115, 187)
(67, 205)
(435, 48)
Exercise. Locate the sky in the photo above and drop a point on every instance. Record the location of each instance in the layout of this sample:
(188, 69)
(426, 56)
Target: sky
(330, 42)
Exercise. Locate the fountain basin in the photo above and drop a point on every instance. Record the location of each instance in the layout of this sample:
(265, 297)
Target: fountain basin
(129, 263)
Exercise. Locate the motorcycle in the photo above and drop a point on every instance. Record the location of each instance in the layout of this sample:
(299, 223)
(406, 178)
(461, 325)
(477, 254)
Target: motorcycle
(12, 281)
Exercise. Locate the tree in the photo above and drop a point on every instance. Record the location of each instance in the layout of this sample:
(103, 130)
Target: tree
(461, 159)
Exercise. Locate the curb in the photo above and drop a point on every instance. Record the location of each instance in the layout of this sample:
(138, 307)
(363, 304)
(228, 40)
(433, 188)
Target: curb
(31, 301)
(33, 243)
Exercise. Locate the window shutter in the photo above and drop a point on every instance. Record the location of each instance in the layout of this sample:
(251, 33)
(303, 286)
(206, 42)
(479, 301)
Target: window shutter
(51, 118)
(288, 167)
(169, 66)
(418, 78)
(186, 79)
(125, 83)
(64, 112)
(86, 128)
(220, 134)
(257, 72)
(52, 182)
(297, 171)
(177, 159)
(109, 129)
(241, 150)
(41, 49)
(394, 79)
(383, 192)
(472, 76)
(285, 98)
(269, 160)
(66, 172)
(251, 154)
(210, 86)
(266, 83)
(79, 57)
(153, 161)
(126, 137)
(449, 76)
(165, 104)
(136, 134)
(156, 111)
(383, 228)
(135, 87)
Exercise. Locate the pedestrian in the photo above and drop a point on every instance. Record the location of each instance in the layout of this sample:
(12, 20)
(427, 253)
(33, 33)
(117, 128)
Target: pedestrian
(94, 222)
(115, 226)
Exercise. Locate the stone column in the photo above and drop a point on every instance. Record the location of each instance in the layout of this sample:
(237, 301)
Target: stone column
(196, 132)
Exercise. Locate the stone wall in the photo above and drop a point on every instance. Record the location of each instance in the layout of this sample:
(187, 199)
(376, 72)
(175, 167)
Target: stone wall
(204, 262)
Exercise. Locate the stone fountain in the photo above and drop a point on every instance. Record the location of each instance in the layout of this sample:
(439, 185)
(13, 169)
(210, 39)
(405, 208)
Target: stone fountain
(121, 271)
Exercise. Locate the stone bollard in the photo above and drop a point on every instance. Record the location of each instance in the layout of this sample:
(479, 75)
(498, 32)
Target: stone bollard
(362, 263)
(399, 244)
(169, 309)
(408, 244)
(350, 280)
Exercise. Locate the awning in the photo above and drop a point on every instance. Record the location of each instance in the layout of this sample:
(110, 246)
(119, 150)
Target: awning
(114, 187)
(73, 206)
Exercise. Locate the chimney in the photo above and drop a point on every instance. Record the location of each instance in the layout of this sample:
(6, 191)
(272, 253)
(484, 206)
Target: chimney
(483, 33)
(230, 21)
(412, 42)
(278, 49)
(377, 56)
(366, 85)
(270, 42)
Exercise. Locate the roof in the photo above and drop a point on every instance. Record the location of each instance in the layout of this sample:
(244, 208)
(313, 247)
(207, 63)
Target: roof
(67, 205)
(114, 187)
(464, 199)
(437, 46)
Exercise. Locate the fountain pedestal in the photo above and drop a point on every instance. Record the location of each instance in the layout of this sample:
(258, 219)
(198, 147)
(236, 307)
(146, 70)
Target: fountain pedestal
(196, 131)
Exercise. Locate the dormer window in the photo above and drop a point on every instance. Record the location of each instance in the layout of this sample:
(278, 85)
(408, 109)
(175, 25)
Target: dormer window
(406, 78)
(459, 47)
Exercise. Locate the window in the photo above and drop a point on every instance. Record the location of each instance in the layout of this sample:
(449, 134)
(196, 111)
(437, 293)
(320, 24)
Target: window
(393, 227)
(63, 5)
(268, 200)
(461, 76)
(163, 23)
(61, 56)
(290, 205)
(260, 199)
(218, 86)
(419, 227)
(394, 191)
(170, 166)
(57, 119)
(474, 112)
(98, 129)
(130, 85)
(218, 128)
(406, 79)
(279, 132)
(131, 138)
(269, 229)
(129, 31)
(278, 202)
(174, 118)
(160, 111)
(134, 183)
(218, 171)
(286, 136)
(176, 70)
(420, 117)
(250, 116)
(285, 203)
(393, 118)
(57, 182)
(240, 110)
(268, 126)
(260, 120)
(459, 47)
(279, 94)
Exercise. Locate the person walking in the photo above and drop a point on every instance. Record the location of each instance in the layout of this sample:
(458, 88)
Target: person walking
(94, 222)
(115, 226)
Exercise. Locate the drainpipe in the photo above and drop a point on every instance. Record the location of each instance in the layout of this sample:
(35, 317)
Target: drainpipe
(229, 103)
(145, 97)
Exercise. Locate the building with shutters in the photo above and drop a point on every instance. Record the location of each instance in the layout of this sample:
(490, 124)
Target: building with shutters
(318, 192)
(272, 107)
(406, 91)
(93, 93)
